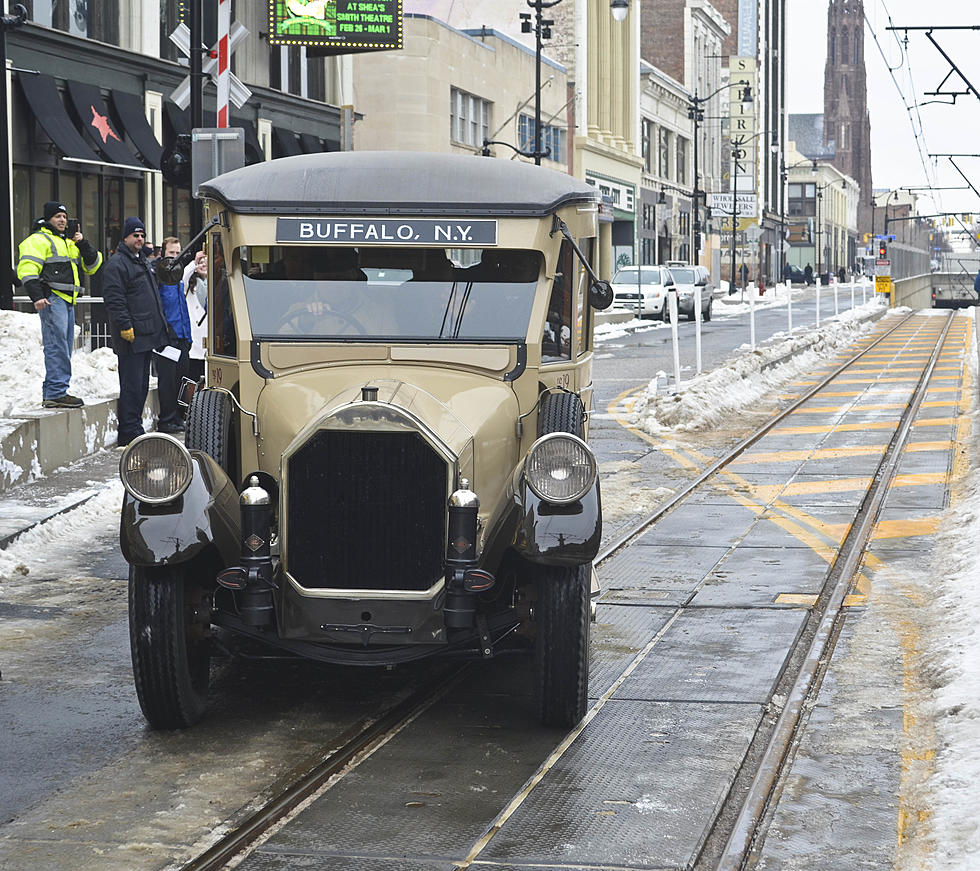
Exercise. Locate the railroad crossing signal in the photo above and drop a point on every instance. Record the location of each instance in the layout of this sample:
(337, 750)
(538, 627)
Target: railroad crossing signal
(181, 37)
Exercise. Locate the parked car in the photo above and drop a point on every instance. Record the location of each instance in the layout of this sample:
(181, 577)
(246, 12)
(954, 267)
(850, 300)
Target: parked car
(686, 279)
(389, 460)
(649, 286)
(795, 275)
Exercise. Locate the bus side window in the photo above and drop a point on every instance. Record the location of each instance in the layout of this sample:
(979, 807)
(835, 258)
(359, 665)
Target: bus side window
(222, 322)
(557, 339)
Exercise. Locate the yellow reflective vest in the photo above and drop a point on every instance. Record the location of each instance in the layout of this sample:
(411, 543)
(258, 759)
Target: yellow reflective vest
(48, 256)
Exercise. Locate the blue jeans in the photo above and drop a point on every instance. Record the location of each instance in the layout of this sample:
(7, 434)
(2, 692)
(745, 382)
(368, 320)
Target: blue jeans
(58, 337)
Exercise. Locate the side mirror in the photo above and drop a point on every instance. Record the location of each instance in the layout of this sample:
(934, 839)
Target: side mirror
(600, 295)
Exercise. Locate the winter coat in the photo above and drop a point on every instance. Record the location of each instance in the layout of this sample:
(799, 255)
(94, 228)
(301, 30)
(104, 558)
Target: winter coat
(49, 263)
(132, 301)
(175, 309)
(976, 284)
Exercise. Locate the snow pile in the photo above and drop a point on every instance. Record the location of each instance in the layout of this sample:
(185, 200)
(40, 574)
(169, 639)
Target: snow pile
(705, 400)
(94, 374)
(56, 543)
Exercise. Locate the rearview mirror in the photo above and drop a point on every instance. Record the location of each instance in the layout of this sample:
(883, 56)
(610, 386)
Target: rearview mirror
(600, 295)
(169, 270)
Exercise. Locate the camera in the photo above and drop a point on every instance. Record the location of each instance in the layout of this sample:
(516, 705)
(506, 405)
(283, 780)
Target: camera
(72, 228)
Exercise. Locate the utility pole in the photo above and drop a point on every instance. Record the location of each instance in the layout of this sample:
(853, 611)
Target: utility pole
(197, 97)
(12, 21)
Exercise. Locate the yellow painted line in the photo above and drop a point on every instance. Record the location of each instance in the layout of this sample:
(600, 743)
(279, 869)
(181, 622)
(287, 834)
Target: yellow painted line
(910, 528)
(810, 488)
(843, 427)
(613, 408)
(806, 599)
(818, 454)
(920, 447)
(920, 479)
(935, 421)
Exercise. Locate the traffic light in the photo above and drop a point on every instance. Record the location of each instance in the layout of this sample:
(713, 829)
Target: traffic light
(882, 250)
(175, 162)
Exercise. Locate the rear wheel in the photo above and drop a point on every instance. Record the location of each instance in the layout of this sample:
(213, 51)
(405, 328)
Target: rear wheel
(562, 615)
(170, 644)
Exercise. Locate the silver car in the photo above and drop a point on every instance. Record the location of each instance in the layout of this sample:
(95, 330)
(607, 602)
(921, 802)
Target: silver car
(686, 279)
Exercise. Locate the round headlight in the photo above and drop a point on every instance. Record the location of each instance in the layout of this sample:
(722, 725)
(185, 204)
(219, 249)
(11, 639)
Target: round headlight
(155, 468)
(560, 468)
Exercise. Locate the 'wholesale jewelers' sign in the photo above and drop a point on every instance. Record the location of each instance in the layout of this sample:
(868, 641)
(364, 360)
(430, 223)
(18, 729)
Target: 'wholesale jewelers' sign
(415, 232)
(342, 24)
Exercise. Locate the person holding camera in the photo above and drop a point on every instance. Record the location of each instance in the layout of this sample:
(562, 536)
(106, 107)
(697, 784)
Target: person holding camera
(48, 268)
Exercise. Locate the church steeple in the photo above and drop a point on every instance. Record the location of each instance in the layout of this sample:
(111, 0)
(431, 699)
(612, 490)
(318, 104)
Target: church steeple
(846, 123)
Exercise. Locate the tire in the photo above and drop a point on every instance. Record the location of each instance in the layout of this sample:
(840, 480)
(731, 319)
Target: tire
(562, 614)
(561, 412)
(208, 427)
(707, 312)
(169, 643)
(665, 313)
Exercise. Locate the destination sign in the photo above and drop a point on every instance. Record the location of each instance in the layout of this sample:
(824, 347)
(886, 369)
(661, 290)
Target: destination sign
(413, 232)
(344, 24)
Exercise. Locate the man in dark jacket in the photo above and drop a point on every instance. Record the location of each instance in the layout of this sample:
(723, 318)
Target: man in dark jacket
(137, 323)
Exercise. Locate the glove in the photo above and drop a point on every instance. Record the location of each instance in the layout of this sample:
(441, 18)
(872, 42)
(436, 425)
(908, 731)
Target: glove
(129, 335)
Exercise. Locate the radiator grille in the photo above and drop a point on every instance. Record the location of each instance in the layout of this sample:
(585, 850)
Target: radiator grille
(366, 510)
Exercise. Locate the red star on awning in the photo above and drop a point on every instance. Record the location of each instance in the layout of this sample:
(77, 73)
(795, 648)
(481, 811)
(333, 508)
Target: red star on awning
(101, 123)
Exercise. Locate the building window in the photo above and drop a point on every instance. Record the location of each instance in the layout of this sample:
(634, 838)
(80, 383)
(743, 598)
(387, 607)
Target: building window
(663, 153)
(649, 216)
(647, 251)
(802, 200)
(681, 160)
(552, 137)
(648, 133)
(91, 19)
(469, 118)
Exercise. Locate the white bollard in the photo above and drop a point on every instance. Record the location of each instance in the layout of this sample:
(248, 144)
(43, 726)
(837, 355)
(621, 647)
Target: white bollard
(672, 308)
(752, 321)
(818, 302)
(852, 294)
(836, 303)
(789, 308)
(697, 329)
(864, 292)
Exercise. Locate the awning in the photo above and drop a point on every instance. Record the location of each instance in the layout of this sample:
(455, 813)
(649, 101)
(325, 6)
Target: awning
(42, 96)
(284, 142)
(311, 144)
(253, 149)
(95, 120)
(179, 119)
(129, 108)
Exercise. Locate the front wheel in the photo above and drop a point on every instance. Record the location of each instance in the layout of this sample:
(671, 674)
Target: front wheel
(562, 614)
(168, 636)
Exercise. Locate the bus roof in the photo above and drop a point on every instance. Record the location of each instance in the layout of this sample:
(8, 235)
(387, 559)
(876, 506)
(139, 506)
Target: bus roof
(396, 183)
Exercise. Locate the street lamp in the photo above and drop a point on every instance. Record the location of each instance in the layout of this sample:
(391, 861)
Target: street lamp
(542, 30)
(696, 113)
(737, 146)
(820, 191)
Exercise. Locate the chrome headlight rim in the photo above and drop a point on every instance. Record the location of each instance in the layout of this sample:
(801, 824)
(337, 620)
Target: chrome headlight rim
(576, 495)
(135, 445)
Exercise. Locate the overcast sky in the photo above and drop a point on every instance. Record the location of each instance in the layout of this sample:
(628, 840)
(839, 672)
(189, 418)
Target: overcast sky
(895, 160)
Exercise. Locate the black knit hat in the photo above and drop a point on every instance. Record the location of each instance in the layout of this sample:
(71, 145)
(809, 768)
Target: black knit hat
(52, 207)
(132, 225)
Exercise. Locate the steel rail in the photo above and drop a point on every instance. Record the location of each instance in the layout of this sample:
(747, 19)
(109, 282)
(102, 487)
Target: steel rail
(371, 736)
(809, 678)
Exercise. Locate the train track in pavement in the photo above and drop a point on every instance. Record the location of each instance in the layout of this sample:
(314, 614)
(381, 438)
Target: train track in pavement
(738, 821)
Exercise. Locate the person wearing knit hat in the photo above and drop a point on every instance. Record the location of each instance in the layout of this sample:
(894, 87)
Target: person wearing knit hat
(48, 267)
(137, 325)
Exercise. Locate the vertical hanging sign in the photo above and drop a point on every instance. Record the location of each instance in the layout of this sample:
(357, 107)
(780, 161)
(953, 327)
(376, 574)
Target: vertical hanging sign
(224, 70)
(742, 122)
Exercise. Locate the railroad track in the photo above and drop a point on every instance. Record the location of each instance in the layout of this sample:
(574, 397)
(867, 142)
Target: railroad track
(739, 822)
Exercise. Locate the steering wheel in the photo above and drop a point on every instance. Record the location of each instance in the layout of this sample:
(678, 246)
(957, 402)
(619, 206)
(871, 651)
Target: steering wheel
(305, 320)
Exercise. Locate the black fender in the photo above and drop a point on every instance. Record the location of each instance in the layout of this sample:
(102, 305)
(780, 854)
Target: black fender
(205, 516)
(558, 535)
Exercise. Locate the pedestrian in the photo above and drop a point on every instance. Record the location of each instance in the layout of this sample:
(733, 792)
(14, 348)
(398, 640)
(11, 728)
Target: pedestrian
(743, 274)
(47, 266)
(196, 297)
(136, 322)
(841, 275)
(808, 273)
(171, 370)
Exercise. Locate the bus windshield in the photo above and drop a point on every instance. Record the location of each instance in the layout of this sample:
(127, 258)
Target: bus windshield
(398, 293)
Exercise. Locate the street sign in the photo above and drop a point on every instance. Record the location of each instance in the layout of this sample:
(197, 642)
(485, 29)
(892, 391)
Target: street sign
(883, 284)
(747, 205)
(215, 151)
(883, 267)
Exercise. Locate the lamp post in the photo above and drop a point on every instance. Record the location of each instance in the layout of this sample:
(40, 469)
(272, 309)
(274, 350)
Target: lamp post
(542, 31)
(15, 19)
(696, 113)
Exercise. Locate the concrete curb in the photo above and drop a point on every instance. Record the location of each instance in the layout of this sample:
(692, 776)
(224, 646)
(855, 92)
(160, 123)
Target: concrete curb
(39, 442)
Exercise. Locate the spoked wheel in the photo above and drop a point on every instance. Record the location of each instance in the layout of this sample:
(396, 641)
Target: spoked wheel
(562, 644)
(171, 650)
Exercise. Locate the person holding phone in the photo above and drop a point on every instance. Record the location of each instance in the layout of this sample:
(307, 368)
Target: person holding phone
(48, 269)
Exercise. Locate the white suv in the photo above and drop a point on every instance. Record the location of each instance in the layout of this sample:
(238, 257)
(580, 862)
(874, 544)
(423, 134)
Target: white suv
(686, 278)
(642, 291)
